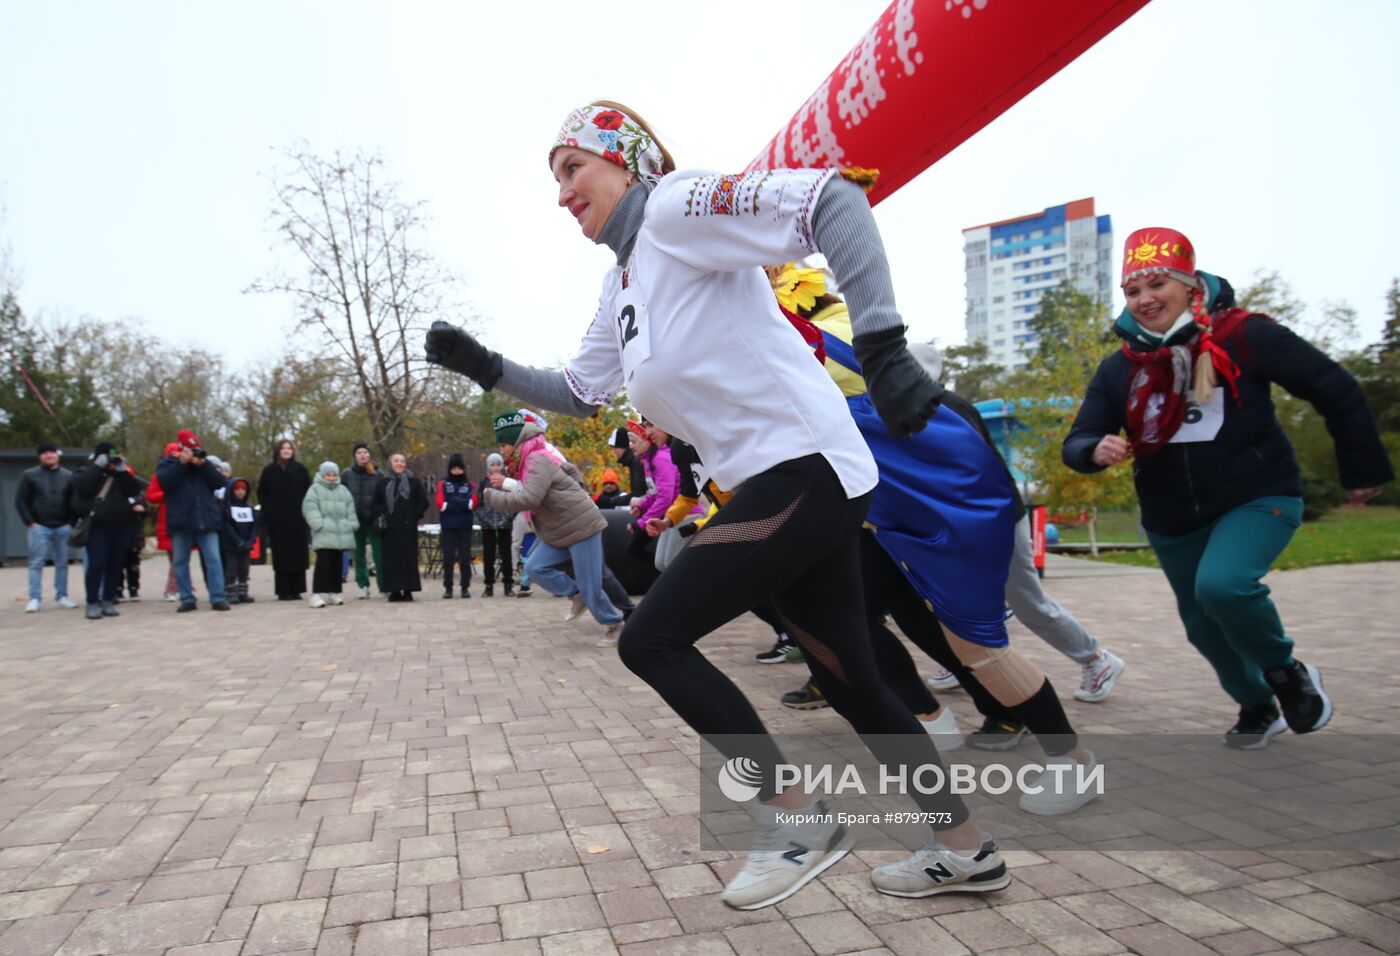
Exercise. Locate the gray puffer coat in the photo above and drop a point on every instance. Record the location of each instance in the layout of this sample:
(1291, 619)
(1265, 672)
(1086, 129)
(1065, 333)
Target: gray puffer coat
(553, 493)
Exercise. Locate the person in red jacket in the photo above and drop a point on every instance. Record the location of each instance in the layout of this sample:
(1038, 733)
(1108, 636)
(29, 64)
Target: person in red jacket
(155, 495)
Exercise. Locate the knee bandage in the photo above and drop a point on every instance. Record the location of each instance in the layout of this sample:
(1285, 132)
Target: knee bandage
(1006, 673)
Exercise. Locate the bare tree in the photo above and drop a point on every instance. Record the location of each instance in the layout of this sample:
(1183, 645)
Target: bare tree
(368, 288)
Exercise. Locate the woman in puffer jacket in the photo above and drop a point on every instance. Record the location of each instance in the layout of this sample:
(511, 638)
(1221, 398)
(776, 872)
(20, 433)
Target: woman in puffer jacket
(567, 523)
(329, 509)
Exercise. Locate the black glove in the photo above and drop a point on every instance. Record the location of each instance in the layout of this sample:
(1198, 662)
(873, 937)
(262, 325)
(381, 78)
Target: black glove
(456, 349)
(899, 388)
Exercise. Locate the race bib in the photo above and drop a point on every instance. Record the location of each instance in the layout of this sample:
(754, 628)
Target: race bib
(633, 330)
(1202, 422)
(241, 515)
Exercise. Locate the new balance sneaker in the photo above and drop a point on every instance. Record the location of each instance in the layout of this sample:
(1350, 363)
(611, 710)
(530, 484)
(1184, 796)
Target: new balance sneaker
(32, 606)
(786, 856)
(1060, 792)
(1100, 675)
(808, 697)
(1254, 728)
(777, 654)
(1304, 703)
(66, 603)
(944, 731)
(938, 869)
(998, 733)
(943, 679)
(577, 605)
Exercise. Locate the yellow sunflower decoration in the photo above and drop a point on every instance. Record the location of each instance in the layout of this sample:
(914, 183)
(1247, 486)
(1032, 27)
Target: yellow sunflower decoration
(798, 289)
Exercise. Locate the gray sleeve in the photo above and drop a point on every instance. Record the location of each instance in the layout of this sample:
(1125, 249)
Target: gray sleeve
(845, 232)
(543, 388)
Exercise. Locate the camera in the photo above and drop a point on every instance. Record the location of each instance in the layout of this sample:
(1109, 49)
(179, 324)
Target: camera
(199, 454)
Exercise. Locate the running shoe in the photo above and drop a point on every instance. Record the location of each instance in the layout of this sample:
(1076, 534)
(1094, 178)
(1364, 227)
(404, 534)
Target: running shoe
(786, 856)
(944, 731)
(1059, 792)
(808, 697)
(1100, 675)
(610, 636)
(1255, 727)
(998, 733)
(576, 608)
(943, 679)
(794, 655)
(777, 654)
(938, 869)
(1304, 703)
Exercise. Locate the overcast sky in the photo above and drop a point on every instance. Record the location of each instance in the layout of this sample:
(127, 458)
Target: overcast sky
(135, 141)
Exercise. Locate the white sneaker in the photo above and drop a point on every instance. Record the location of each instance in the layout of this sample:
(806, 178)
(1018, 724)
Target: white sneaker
(316, 601)
(937, 869)
(944, 730)
(171, 598)
(1060, 792)
(576, 608)
(943, 680)
(609, 638)
(335, 599)
(68, 603)
(1100, 675)
(364, 593)
(786, 856)
(32, 607)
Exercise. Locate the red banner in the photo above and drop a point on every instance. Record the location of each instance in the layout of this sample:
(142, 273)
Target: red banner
(928, 75)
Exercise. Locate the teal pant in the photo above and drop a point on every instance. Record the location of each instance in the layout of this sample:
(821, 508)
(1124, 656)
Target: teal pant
(363, 537)
(1215, 573)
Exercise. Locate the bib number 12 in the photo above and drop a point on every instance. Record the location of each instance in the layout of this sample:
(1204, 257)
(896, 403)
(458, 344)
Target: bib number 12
(627, 324)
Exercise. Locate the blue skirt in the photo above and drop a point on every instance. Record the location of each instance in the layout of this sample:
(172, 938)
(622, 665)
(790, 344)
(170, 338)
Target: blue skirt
(945, 511)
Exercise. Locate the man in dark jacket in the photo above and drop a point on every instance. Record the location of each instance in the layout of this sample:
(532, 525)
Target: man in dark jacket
(105, 488)
(193, 516)
(362, 479)
(44, 501)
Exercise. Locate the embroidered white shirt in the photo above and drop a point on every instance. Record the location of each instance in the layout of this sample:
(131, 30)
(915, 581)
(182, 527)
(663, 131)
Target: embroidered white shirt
(692, 330)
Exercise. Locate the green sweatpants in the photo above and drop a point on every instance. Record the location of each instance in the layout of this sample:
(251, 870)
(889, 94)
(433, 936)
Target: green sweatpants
(1215, 573)
(363, 535)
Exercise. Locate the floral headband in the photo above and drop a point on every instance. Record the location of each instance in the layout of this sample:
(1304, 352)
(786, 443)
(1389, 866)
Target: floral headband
(613, 135)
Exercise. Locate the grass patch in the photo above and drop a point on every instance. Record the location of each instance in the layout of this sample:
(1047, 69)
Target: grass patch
(1342, 536)
(1113, 526)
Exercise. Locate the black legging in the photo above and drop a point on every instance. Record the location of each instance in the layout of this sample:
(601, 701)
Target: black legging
(492, 541)
(888, 590)
(788, 533)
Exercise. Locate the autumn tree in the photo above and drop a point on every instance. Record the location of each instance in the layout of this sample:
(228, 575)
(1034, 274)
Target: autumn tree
(366, 289)
(1074, 331)
(46, 392)
(969, 371)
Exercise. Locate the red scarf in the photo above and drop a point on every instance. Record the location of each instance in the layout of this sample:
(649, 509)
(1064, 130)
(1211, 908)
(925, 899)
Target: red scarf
(1160, 387)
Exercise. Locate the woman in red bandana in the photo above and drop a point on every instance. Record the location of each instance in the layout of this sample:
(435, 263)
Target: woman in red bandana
(1220, 489)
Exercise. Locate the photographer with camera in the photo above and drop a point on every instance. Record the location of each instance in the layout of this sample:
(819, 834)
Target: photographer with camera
(103, 491)
(193, 517)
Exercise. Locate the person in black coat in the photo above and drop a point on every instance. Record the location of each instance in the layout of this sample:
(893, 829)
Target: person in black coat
(1220, 488)
(399, 504)
(281, 487)
(110, 534)
(193, 517)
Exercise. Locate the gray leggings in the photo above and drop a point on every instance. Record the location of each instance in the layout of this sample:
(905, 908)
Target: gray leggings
(1038, 610)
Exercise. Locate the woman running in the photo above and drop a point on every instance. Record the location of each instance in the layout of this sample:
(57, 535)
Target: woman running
(771, 426)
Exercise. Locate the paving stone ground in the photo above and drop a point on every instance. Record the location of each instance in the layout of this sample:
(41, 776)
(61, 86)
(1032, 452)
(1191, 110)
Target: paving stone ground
(475, 777)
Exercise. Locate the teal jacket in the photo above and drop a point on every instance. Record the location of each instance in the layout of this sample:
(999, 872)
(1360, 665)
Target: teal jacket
(330, 513)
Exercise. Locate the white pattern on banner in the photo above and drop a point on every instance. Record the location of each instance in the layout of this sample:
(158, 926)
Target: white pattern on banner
(1202, 422)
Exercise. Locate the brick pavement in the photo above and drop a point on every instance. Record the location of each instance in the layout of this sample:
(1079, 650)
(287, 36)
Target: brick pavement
(475, 777)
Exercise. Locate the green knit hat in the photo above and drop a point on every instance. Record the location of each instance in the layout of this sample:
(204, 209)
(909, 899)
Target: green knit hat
(507, 427)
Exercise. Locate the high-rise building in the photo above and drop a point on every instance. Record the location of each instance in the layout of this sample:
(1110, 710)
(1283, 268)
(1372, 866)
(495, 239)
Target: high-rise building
(1010, 265)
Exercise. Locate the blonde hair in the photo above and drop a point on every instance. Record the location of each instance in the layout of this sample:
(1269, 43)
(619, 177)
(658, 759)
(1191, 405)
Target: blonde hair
(668, 165)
